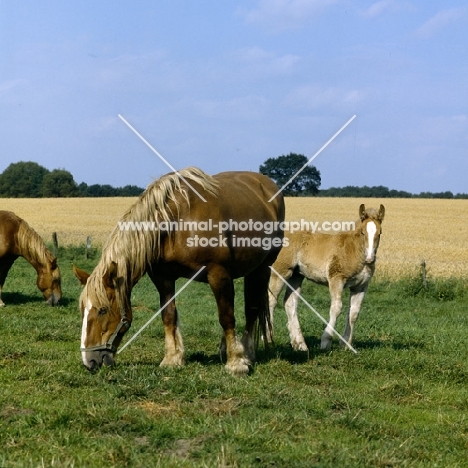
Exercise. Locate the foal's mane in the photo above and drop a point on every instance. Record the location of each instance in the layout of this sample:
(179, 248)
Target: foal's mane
(133, 250)
(32, 246)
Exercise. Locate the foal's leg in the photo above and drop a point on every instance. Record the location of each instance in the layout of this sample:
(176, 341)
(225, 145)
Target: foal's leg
(274, 290)
(174, 347)
(336, 291)
(291, 299)
(355, 301)
(222, 286)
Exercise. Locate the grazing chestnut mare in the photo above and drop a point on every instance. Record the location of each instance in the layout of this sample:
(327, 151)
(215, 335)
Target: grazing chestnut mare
(209, 240)
(17, 239)
(339, 261)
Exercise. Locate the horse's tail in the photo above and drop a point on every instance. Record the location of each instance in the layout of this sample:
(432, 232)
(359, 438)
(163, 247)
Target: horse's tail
(256, 299)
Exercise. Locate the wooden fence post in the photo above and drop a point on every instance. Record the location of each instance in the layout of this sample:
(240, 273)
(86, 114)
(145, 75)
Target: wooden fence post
(55, 242)
(424, 274)
(88, 247)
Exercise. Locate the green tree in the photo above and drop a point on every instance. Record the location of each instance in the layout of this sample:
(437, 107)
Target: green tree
(98, 190)
(364, 192)
(130, 191)
(282, 168)
(22, 180)
(59, 183)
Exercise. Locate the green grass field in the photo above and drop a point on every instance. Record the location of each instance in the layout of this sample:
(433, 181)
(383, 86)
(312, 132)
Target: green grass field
(402, 401)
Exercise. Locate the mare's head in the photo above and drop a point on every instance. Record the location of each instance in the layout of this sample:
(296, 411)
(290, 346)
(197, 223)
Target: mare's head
(49, 282)
(371, 228)
(105, 317)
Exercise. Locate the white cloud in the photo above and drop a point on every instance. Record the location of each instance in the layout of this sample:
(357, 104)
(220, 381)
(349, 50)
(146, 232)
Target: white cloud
(126, 68)
(102, 125)
(266, 62)
(281, 15)
(312, 97)
(240, 108)
(459, 118)
(441, 20)
(383, 6)
(9, 87)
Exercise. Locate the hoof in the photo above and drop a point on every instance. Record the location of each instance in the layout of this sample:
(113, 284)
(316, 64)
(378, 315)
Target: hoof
(326, 346)
(174, 361)
(299, 346)
(326, 342)
(239, 368)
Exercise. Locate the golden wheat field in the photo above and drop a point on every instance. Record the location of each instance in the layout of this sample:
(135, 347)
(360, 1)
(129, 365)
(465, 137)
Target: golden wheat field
(413, 229)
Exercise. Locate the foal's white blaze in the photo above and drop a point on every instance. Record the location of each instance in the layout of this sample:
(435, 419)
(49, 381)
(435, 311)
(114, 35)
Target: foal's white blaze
(83, 329)
(371, 230)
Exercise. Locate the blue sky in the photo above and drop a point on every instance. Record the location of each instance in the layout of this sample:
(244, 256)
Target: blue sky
(224, 85)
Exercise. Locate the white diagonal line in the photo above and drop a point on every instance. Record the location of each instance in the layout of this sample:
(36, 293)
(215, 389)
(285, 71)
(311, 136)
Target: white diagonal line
(159, 155)
(161, 309)
(312, 158)
(312, 309)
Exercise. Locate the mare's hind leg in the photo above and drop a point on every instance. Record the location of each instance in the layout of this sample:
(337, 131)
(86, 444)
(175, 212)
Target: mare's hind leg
(291, 299)
(336, 291)
(355, 302)
(174, 347)
(222, 286)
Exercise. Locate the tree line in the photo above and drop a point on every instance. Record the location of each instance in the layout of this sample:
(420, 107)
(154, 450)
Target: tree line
(380, 191)
(31, 180)
(307, 181)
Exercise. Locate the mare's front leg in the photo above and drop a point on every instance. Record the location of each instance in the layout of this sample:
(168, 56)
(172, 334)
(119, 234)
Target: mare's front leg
(174, 347)
(5, 266)
(336, 291)
(222, 286)
(291, 299)
(355, 302)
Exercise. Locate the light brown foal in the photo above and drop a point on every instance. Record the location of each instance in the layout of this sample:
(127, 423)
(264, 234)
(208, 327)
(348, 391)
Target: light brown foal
(339, 261)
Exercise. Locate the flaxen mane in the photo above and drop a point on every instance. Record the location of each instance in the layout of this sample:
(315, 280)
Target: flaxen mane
(143, 246)
(32, 246)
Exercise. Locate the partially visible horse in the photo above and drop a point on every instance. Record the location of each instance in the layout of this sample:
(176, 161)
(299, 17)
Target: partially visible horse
(18, 239)
(339, 261)
(212, 238)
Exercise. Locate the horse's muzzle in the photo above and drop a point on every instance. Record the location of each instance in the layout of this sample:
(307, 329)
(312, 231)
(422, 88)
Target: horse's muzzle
(93, 360)
(370, 257)
(54, 299)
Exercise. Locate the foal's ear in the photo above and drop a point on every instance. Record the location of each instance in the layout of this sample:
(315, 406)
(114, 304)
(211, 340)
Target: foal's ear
(381, 213)
(81, 275)
(362, 212)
